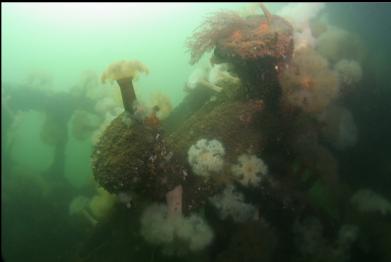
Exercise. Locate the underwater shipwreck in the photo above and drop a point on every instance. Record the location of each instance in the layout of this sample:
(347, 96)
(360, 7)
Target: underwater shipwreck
(237, 148)
(246, 167)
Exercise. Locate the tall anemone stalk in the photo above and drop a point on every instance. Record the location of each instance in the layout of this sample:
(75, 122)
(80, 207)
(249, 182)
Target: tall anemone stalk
(124, 72)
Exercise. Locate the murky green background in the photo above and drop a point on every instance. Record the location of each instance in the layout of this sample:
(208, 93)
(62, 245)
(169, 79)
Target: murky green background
(61, 41)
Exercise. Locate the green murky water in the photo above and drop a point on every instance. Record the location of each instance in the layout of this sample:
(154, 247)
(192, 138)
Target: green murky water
(251, 134)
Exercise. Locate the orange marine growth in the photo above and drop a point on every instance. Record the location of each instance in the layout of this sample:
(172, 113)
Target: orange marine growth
(263, 27)
(307, 82)
(236, 36)
(152, 120)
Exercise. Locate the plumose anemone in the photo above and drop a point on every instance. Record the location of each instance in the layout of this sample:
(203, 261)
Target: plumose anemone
(349, 72)
(250, 170)
(308, 83)
(206, 157)
(177, 235)
(230, 203)
(124, 72)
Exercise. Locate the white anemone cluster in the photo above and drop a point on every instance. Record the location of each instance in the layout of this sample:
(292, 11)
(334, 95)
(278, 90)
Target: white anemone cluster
(349, 71)
(249, 170)
(230, 203)
(206, 156)
(186, 233)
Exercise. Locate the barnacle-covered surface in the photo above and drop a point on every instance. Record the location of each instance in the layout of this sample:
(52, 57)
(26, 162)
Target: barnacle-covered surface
(237, 124)
(129, 158)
